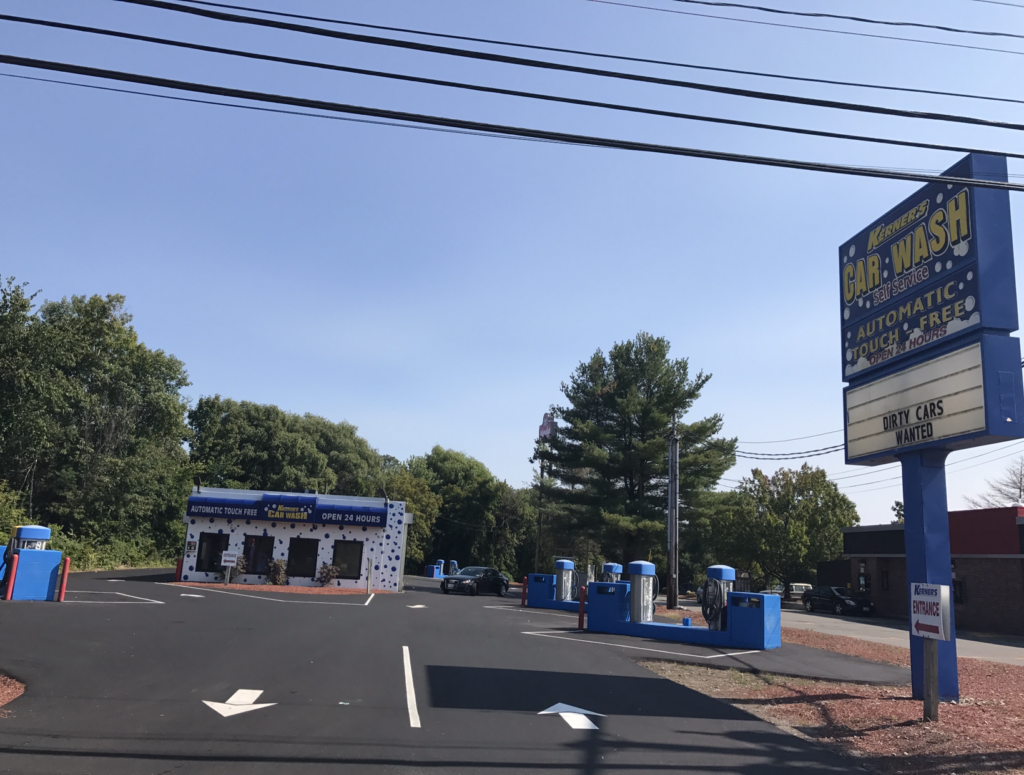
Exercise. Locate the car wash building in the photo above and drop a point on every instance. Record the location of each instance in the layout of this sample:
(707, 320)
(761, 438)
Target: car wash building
(363, 537)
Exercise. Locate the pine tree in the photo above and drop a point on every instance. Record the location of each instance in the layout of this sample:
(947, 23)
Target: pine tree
(608, 460)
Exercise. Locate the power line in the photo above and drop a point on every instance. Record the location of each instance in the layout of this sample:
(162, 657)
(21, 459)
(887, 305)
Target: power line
(951, 466)
(797, 438)
(491, 89)
(858, 19)
(492, 135)
(997, 2)
(501, 129)
(617, 57)
(546, 65)
(798, 456)
(811, 29)
(769, 455)
(986, 462)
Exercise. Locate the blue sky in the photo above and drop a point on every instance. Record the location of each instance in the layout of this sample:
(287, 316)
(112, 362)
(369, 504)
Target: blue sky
(437, 288)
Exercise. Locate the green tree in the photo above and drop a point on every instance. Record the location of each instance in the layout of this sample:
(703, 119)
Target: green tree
(11, 513)
(791, 521)
(897, 510)
(608, 459)
(240, 444)
(424, 505)
(514, 518)
(92, 434)
(465, 522)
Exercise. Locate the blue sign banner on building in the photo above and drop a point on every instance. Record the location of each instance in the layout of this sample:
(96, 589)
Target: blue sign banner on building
(286, 508)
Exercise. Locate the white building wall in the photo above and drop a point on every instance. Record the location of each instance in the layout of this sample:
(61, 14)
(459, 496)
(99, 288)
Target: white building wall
(383, 545)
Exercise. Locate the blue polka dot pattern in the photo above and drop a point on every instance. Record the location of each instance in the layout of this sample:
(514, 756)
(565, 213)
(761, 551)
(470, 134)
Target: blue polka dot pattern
(385, 542)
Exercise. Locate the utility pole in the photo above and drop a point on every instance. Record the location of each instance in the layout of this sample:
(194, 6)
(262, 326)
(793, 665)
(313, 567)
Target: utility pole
(540, 516)
(672, 590)
(547, 430)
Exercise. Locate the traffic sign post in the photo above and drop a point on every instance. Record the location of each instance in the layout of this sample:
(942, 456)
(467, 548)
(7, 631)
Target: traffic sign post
(931, 627)
(228, 560)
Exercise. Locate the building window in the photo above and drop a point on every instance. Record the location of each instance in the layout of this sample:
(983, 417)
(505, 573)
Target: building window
(302, 557)
(348, 558)
(885, 581)
(210, 547)
(959, 590)
(258, 551)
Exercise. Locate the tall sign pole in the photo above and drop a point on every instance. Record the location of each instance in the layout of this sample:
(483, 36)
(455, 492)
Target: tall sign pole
(672, 588)
(928, 302)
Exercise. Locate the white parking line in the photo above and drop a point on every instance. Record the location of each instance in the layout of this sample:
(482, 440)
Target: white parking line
(519, 609)
(410, 690)
(135, 600)
(640, 648)
(275, 599)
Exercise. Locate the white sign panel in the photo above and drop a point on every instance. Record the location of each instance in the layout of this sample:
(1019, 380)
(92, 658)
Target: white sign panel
(929, 611)
(939, 399)
(229, 559)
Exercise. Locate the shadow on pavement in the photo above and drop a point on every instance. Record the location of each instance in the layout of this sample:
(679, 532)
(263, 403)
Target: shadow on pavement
(485, 688)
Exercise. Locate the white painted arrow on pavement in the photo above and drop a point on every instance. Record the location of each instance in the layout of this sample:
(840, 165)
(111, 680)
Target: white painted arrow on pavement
(241, 701)
(573, 716)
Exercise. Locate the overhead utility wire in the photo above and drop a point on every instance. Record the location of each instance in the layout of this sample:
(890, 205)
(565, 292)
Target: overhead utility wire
(799, 456)
(812, 29)
(497, 90)
(261, 109)
(618, 57)
(858, 19)
(768, 455)
(997, 2)
(797, 438)
(546, 65)
(589, 140)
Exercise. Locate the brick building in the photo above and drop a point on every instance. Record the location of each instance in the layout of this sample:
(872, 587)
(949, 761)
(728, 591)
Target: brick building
(987, 548)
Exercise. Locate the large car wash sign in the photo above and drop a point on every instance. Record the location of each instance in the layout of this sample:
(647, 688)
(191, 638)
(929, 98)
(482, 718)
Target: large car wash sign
(928, 300)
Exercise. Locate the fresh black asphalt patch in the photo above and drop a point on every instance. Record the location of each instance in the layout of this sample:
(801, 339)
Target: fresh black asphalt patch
(121, 688)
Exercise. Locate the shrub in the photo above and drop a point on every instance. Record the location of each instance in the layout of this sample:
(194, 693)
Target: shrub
(277, 573)
(327, 574)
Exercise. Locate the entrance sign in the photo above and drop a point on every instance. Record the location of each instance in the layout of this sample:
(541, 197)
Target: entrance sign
(927, 306)
(929, 611)
(229, 559)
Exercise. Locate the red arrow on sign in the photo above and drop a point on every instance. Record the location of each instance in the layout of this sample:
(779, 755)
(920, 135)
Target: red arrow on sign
(926, 627)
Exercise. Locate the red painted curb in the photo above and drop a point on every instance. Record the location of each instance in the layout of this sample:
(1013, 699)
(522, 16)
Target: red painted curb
(64, 579)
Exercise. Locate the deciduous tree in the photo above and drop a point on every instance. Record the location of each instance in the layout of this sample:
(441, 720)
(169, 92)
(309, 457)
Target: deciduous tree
(792, 520)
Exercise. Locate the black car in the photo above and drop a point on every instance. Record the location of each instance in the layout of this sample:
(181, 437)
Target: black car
(475, 580)
(838, 600)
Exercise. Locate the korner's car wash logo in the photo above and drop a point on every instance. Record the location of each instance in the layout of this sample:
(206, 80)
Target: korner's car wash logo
(285, 513)
(909, 280)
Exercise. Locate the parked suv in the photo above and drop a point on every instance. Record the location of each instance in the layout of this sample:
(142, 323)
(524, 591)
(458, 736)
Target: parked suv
(837, 600)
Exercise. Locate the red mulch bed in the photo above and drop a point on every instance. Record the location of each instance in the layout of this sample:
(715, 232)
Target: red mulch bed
(881, 726)
(9, 690)
(275, 588)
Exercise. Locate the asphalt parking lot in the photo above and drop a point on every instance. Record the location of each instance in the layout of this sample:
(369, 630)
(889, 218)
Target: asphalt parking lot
(134, 676)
